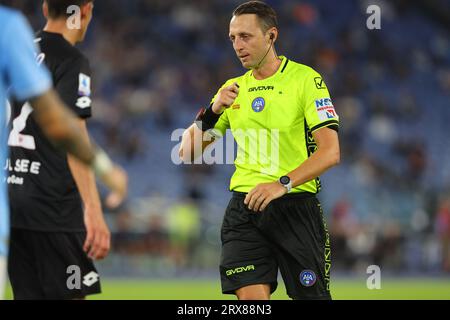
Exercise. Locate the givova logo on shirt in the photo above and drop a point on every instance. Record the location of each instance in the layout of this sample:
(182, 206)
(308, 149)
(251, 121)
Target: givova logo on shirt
(325, 109)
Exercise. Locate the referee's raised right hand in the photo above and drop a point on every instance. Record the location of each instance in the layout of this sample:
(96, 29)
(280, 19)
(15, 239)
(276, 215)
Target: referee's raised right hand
(225, 98)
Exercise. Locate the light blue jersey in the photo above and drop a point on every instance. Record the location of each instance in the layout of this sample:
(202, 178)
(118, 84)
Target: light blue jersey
(21, 77)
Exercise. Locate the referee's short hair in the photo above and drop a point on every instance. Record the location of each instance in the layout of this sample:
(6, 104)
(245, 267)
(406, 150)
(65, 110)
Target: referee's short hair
(58, 8)
(266, 14)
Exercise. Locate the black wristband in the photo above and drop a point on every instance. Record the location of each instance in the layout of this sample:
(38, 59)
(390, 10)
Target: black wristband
(207, 119)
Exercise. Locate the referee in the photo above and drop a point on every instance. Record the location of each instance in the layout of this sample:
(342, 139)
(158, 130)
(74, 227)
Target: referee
(273, 220)
(22, 78)
(56, 215)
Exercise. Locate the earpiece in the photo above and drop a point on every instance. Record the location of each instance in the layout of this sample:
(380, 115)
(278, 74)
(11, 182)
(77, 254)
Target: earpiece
(272, 37)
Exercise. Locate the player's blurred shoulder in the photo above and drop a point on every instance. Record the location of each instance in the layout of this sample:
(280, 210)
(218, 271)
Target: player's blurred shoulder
(10, 18)
(55, 45)
(61, 57)
(8, 14)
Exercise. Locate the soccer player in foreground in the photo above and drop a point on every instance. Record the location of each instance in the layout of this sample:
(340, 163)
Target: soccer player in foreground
(273, 220)
(22, 78)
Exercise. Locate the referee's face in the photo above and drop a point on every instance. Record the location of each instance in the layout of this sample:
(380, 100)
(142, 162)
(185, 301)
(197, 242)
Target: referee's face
(249, 41)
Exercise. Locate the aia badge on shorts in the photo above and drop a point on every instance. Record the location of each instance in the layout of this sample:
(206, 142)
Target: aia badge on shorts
(307, 278)
(258, 104)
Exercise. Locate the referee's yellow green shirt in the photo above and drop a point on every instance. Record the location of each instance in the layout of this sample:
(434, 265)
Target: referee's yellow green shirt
(272, 121)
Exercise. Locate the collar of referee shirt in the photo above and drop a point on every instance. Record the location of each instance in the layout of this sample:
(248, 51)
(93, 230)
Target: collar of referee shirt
(283, 63)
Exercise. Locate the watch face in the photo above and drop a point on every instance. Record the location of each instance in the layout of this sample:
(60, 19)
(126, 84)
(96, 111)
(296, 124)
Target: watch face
(285, 180)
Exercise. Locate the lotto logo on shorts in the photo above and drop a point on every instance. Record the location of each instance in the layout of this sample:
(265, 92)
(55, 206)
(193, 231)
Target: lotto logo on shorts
(91, 278)
(74, 280)
(307, 278)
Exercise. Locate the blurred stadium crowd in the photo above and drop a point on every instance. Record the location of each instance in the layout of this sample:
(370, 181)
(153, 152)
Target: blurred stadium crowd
(155, 62)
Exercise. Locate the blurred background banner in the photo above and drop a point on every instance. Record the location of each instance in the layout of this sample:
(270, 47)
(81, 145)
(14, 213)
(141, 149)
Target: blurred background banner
(156, 62)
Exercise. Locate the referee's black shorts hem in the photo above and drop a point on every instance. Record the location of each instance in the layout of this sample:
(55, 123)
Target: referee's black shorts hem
(232, 290)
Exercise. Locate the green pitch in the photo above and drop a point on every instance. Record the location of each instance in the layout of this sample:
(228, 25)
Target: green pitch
(348, 289)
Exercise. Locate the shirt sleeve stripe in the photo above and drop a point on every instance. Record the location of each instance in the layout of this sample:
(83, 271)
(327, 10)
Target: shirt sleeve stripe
(333, 124)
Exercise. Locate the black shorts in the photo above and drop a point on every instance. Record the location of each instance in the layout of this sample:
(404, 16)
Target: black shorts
(50, 265)
(290, 235)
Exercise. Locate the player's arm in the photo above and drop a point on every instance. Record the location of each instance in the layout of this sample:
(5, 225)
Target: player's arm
(97, 243)
(194, 140)
(60, 125)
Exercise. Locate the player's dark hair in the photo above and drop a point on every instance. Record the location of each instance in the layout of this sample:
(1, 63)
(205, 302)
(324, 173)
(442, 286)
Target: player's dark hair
(266, 14)
(58, 8)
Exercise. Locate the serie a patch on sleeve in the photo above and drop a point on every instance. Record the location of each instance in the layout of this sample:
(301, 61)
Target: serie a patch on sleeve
(84, 91)
(84, 85)
(325, 109)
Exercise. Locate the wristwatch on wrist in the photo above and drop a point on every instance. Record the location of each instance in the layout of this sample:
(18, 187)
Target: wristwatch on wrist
(286, 182)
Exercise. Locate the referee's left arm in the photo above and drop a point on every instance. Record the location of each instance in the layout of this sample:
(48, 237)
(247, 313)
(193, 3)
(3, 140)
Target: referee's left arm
(326, 156)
